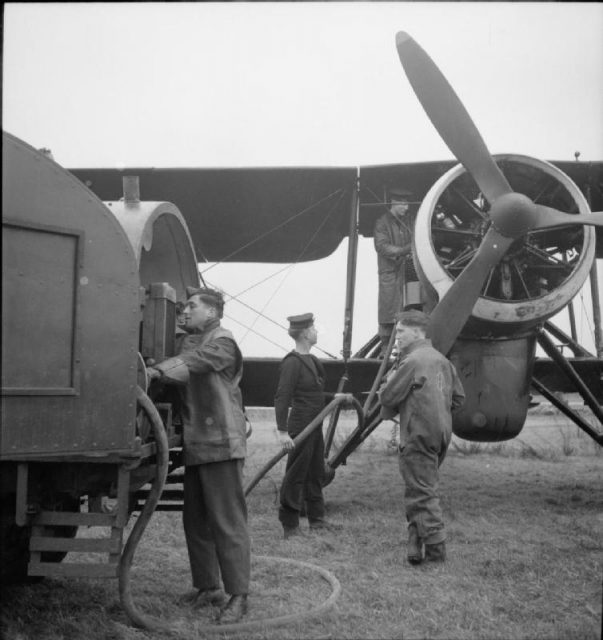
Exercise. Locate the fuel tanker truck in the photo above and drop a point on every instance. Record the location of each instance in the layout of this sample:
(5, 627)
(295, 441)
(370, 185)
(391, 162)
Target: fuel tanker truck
(89, 294)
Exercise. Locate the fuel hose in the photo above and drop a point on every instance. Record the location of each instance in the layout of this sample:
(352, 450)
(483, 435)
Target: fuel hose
(125, 565)
(338, 400)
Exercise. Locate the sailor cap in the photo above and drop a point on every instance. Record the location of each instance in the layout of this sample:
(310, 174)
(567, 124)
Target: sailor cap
(302, 321)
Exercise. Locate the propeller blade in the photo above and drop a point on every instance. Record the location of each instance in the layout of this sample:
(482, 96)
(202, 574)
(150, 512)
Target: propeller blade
(451, 313)
(545, 217)
(450, 118)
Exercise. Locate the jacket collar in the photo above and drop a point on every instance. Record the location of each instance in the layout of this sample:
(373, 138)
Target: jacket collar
(214, 324)
(402, 223)
(414, 346)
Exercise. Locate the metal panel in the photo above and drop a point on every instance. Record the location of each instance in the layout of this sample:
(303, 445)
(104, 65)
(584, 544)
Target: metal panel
(38, 301)
(71, 332)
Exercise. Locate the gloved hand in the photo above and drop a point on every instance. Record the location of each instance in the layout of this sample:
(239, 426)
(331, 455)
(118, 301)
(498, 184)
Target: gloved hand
(153, 374)
(348, 399)
(285, 440)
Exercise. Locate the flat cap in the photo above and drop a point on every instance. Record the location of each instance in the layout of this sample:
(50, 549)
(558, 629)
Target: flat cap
(399, 192)
(412, 318)
(302, 321)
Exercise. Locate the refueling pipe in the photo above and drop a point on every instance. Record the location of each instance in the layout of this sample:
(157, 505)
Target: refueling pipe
(339, 399)
(125, 564)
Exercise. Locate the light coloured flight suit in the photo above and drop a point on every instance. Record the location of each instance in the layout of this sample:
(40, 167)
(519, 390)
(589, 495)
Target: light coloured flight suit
(424, 389)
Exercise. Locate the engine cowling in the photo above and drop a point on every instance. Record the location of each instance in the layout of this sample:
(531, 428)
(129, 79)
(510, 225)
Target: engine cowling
(539, 274)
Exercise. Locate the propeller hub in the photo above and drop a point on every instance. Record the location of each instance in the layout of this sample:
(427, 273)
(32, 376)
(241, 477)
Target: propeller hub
(513, 214)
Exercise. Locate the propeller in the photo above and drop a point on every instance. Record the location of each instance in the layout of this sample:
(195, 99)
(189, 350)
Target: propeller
(547, 217)
(511, 214)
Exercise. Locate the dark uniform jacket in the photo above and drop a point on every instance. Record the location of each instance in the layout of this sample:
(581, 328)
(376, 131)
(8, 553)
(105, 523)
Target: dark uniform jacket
(393, 241)
(214, 422)
(301, 384)
(423, 389)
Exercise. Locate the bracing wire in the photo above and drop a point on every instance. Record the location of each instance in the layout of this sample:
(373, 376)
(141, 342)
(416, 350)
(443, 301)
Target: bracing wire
(268, 318)
(340, 193)
(247, 306)
(261, 312)
(280, 346)
(590, 326)
(278, 226)
(301, 255)
(257, 284)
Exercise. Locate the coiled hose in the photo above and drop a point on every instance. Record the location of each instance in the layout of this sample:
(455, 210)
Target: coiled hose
(125, 564)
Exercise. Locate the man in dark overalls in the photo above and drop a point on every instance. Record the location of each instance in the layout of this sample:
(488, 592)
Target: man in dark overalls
(398, 282)
(423, 388)
(301, 389)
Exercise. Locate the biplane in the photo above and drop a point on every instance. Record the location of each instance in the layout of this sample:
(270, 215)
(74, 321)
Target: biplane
(91, 282)
(490, 306)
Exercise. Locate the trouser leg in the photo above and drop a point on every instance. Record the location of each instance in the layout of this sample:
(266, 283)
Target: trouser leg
(293, 487)
(199, 539)
(225, 498)
(419, 468)
(315, 504)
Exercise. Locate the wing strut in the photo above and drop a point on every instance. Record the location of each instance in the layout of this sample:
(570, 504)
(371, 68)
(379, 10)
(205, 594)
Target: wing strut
(548, 346)
(350, 290)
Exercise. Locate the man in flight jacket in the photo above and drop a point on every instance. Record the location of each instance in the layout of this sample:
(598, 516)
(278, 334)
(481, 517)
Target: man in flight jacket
(423, 388)
(209, 365)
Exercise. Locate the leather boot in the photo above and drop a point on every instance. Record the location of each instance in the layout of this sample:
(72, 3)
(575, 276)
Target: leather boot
(414, 551)
(324, 525)
(291, 532)
(234, 611)
(204, 597)
(435, 552)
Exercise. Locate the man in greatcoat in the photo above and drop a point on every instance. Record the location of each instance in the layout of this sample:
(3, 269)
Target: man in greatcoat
(424, 389)
(209, 366)
(398, 283)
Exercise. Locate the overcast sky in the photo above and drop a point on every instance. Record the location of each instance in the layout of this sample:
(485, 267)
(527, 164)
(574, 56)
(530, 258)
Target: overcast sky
(273, 84)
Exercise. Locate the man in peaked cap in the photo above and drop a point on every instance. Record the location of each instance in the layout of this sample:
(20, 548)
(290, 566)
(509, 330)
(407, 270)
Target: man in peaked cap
(398, 282)
(302, 321)
(301, 389)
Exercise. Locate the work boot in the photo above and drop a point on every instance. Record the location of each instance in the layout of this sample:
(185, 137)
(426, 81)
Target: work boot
(414, 551)
(324, 525)
(435, 552)
(291, 532)
(205, 597)
(234, 611)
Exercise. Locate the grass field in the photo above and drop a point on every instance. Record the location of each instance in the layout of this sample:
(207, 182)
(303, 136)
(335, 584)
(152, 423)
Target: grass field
(525, 542)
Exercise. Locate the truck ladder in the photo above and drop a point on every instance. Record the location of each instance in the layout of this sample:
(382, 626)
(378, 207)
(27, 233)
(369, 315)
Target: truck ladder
(44, 540)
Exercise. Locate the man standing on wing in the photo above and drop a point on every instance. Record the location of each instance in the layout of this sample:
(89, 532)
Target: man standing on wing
(399, 288)
(424, 388)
